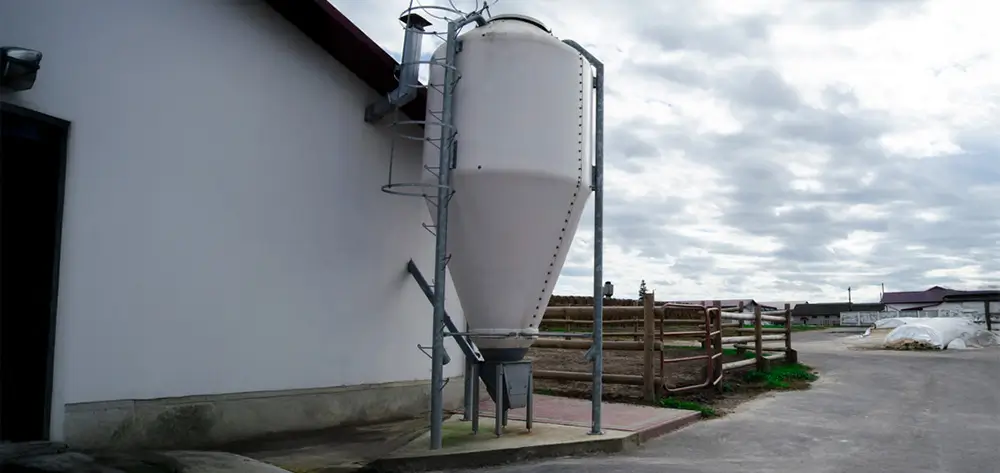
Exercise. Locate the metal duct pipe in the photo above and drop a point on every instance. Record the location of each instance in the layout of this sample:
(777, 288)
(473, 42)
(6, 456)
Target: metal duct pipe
(409, 70)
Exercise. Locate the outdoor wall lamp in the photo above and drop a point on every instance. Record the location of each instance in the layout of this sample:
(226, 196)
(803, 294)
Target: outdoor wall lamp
(18, 67)
(609, 289)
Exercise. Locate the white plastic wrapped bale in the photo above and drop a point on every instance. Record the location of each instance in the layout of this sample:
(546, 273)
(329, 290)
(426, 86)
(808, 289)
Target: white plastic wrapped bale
(896, 322)
(938, 334)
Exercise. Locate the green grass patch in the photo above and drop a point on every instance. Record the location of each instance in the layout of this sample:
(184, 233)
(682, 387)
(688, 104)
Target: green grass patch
(674, 403)
(783, 376)
(733, 352)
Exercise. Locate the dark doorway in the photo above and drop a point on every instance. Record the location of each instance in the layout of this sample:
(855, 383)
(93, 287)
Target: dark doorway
(32, 168)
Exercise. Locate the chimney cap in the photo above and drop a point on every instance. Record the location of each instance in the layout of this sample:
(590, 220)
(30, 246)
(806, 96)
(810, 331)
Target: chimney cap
(413, 20)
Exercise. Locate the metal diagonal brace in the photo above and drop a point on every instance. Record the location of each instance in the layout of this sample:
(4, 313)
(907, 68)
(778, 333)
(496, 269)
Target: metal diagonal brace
(464, 343)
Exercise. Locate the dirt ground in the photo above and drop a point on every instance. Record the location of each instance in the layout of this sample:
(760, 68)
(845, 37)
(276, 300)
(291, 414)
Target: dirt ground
(630, 363)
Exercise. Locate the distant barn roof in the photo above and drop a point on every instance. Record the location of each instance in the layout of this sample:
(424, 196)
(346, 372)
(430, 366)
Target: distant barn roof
(933, 295)
(973, 296)
(834, 308)
(724, 302)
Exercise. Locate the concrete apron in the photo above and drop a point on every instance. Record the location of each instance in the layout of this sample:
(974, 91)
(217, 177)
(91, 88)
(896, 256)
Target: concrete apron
(462, 449)
(561, 428)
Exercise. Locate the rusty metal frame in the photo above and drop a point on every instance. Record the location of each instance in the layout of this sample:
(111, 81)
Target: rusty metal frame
(712, 321)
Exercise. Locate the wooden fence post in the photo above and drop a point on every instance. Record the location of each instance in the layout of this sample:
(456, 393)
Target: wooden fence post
(635, 329)
(717, 342)
(569, 326)
(740, 348)
(758, 342)
(790, 355)
(714, 304)
(659, 329)
(649, 322)
(989, 320)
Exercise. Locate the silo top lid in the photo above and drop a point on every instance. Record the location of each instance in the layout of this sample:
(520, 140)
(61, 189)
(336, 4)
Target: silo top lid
(524, 18)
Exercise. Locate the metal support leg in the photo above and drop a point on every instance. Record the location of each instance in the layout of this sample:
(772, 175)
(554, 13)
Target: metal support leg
(530, 408)
(475, 398)
(498, 412)
(444, 192)
(469, 368)
(597, 185)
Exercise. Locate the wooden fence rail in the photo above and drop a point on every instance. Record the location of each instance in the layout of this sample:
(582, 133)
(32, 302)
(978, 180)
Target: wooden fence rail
(585, 313)
(764, 356)
(751, 317)
(678, 322)
(649, 345)
(628, 379)
(614, 345)
(654, 338)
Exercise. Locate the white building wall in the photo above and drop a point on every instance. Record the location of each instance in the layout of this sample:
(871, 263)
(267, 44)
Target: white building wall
(951, 309)
(898, 307)
(962, 309)
(224, 228)
(971, 310)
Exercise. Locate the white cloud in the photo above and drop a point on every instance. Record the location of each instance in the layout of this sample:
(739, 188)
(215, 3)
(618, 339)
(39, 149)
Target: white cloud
(784, 150)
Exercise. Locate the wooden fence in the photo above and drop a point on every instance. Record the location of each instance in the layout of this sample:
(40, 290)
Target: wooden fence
(763, 356)
(653, 328)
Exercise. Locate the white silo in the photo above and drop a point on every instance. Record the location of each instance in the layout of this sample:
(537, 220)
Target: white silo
(522, 110)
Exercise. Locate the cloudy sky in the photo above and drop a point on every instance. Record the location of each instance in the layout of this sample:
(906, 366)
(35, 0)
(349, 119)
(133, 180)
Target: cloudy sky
(784, 150)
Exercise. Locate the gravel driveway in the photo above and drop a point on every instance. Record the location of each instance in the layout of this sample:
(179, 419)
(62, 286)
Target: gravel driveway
(870, 411)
